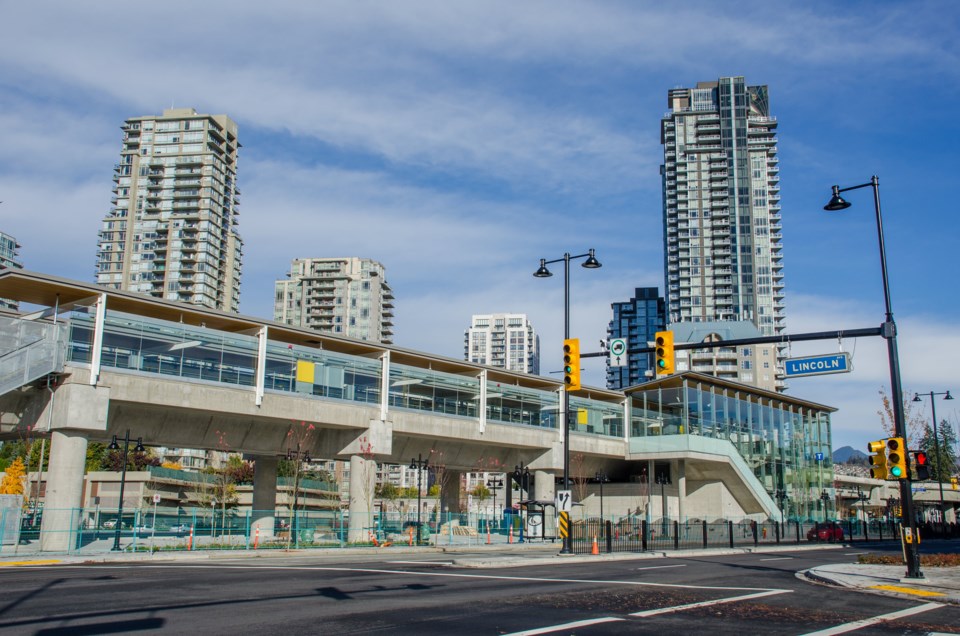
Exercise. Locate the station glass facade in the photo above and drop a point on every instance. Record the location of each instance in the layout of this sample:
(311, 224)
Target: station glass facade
(786, 442)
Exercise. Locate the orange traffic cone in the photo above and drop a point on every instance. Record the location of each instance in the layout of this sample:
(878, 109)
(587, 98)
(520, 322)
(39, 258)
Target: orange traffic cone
(488, 532)
(190, 539)
(256, 538)
(510, 537)
(596, 548)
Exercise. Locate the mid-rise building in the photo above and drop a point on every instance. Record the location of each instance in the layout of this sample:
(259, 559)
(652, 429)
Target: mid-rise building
(344, 296)
(9, 258)
(721, 208)
(507, 341)
(755, 365)
(171, 231)
(636, 321)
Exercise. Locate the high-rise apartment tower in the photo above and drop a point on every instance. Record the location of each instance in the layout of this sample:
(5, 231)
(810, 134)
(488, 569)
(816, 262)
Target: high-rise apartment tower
(721, 207)
(172, 229)
(507, 341)
(9, 259)
(636, 321)
(344, 296)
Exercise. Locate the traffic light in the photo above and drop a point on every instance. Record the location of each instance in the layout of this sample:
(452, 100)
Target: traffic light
(921, 469)
(897, 458)
(954, 484)
(571, 364)
(878, 459)
(664, 353)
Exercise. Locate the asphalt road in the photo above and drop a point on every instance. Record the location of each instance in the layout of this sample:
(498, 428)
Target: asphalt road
(426, 595)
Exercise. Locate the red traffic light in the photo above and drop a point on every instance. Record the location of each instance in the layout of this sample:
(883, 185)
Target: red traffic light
(920, 458)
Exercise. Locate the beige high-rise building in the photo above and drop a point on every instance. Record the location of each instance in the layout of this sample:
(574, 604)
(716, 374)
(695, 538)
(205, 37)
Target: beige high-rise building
(172, 229)
(722, 229)
(507, 341)
(343, 296)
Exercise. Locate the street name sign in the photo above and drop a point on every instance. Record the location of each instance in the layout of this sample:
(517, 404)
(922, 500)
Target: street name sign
(818, 365)
(618, 352)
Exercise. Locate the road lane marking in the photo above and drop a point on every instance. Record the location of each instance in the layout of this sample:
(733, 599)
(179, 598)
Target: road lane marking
(854, 553)
(866, 622)
(681, 608)
(906, 590)
(565, 626)
(422, 562)
(660, 567)
(778, 559)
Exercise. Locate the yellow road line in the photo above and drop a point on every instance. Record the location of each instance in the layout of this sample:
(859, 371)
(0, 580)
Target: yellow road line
(38, 562)
(906, 590)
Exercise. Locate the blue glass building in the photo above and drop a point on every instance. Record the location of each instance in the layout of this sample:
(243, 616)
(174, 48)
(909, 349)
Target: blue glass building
(636, 320)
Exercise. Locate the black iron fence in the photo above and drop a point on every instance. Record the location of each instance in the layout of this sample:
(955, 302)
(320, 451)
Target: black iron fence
(638, 535)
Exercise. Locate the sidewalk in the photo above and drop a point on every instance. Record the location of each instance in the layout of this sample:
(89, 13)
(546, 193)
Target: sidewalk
(938, 584)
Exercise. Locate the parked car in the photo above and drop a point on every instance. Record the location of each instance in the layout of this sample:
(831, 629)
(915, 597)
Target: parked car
(825, 532)
(181, 528)
(143, 529)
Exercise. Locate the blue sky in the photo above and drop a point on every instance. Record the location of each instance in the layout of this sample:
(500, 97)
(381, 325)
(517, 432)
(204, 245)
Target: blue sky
(460, 142)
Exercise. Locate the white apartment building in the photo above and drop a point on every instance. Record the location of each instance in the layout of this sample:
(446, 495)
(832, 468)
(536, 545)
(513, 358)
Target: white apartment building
(507, 341)
(721, 209)
(9, 258)
(344, 296)
(171, 231)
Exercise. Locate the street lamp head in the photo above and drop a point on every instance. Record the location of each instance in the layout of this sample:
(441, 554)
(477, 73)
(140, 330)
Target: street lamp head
(836, 201)
(113, 445)
(948, 396)
(916, 397)
(591, 262)
(139, 447)
(543, 272)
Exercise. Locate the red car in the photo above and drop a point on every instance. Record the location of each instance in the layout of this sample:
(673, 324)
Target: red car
(825, 532)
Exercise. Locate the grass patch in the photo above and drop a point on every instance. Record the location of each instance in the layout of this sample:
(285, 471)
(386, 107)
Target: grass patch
(929, 560)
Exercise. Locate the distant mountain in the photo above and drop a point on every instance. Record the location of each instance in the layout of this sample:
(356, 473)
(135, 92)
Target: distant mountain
(847, 454)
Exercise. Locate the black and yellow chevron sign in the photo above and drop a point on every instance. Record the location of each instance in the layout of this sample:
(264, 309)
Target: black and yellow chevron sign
(564, 525)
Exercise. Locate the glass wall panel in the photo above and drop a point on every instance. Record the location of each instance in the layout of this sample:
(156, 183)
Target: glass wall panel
(427, 390)
(335, 375)
(592, 416)
(520, 405)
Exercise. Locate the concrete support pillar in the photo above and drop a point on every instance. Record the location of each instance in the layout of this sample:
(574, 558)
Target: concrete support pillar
(450, 492)
(544, 486)
(508, 489)
(61, 509)
(681, 489)
(264, 494)
(545, 489)
(363, 480)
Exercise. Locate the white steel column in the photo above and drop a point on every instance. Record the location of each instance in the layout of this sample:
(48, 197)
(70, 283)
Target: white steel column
(97, 348)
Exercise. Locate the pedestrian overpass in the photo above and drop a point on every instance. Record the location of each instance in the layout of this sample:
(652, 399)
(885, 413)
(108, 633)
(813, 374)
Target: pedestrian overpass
(90, 362)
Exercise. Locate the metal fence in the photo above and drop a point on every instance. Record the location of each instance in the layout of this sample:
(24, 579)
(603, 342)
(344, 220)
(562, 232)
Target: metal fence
(95, 530)
(638, 535)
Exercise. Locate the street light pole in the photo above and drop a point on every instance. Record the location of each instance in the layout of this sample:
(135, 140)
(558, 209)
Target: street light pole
(419, 464)
(936, 443)
(889, 332)
(543, 272)
(123, 481)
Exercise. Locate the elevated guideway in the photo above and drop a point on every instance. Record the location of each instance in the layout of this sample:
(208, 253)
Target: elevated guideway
(184, 376)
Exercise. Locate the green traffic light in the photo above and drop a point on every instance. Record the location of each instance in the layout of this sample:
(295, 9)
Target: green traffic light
(661, 363)
(568, 369)
(895, 471)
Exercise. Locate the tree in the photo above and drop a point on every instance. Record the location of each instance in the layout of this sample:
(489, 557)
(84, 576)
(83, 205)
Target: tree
(913, 422)
(579, 476)
(942, 464)
(113, 460)
(14, 479)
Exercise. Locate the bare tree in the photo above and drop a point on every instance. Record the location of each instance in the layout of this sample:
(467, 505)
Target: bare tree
(913, 422)
(579, 476)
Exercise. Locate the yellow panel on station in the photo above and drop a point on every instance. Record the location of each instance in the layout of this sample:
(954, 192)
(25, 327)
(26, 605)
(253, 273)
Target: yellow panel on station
(305, 371)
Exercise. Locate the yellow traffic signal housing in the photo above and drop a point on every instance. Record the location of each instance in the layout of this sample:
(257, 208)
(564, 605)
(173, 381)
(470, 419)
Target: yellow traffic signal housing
(897, 458)
(878, 459)
(664, 359)
(571, 364)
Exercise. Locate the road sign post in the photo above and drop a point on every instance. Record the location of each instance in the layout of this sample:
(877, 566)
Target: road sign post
(618, 352)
